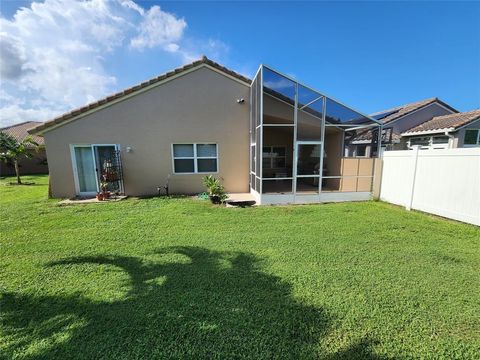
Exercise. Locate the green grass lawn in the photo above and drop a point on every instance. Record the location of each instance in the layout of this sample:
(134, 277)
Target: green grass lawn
(180, 278)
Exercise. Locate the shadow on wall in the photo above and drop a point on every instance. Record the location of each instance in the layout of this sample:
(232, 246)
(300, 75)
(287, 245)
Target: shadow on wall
(208, 305)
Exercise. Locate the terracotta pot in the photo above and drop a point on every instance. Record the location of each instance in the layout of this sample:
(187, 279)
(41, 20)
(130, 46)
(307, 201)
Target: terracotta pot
(99, 196)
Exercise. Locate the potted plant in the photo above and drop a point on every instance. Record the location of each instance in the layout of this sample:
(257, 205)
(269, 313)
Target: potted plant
(104, 186)
(99, 196)
(216, 191)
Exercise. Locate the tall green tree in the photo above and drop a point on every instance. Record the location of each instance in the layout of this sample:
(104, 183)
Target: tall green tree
(13, 150)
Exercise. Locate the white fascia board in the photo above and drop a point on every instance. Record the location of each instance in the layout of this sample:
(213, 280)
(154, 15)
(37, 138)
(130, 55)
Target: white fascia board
(359, 142)
(429, 132)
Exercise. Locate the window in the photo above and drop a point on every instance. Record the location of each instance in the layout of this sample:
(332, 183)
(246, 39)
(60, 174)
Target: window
(430, 142)
(195, 158)
(274, 157)
(361, 150)
(472, 137)
(440, 140)
(424, 142)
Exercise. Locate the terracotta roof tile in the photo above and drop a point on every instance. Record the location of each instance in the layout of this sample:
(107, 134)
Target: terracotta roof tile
(20, 131)
(399, 111)
(76, 112)
(451, 121)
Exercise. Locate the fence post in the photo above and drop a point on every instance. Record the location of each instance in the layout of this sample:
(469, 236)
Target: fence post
(415, 152)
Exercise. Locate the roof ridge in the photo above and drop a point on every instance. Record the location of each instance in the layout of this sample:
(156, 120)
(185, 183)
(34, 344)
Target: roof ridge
(20, 123)
(405, 105)
(463, 113)
(449, 121)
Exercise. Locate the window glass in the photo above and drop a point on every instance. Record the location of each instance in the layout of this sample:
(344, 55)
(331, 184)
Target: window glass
(203, 160)
(471, 137)
(278, 150)
(207, 165)
(308, 185)
(206, 150)
(309, 115)
(252, 158)
(278, 98)
(278, 86)
(277, 186)
(183, 150)
(278, 162)
(274, 157)
(361, 150)
(184, 165)
(337, 113)
(423, 141)
(440, 139)
(258, 154)
(308, 162)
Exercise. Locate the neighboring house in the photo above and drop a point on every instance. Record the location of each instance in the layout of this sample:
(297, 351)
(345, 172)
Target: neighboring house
(34, 165)
(272, 137)
(448, 131)
(398, 120)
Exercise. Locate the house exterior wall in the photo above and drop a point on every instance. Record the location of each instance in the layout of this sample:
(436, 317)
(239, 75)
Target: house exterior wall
(456, 138)
(416, 118)
(198, 106)
(28, 166)
(459, 136)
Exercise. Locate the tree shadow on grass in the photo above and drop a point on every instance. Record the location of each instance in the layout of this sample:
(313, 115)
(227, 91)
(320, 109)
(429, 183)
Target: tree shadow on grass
(204, 305)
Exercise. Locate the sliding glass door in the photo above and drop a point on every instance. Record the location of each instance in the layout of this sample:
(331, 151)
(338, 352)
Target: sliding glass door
(93, 164)
(85, 170)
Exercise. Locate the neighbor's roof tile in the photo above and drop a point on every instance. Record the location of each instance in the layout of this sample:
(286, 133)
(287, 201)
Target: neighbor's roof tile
(399, 111)
(451, 121)
(20, 131)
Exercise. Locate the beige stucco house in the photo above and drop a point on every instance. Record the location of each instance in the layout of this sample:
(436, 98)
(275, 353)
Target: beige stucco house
(272, 137)
(429, 123)
(446, 132)
(396, 121)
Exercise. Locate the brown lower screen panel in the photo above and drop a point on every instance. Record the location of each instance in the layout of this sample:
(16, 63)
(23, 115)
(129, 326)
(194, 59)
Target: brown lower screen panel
(347, 184)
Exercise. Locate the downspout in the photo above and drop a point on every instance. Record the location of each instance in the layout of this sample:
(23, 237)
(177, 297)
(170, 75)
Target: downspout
(451, 139)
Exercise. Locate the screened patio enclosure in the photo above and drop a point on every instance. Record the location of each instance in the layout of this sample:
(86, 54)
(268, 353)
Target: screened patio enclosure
(298, 142)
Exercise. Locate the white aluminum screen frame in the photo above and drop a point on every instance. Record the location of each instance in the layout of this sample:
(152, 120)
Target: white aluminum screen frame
(258, 144)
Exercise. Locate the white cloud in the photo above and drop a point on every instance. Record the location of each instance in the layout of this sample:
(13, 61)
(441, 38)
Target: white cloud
(12, 58)
(54, 55)
(159, 28)
(14, 111)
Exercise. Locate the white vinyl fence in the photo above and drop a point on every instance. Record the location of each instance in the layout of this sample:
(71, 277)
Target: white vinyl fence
(442, 182)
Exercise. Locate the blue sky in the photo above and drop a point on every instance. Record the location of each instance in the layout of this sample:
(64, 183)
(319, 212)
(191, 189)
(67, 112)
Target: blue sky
(369, 55)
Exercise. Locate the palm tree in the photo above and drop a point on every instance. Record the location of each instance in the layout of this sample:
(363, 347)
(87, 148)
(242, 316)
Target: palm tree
(12, 150)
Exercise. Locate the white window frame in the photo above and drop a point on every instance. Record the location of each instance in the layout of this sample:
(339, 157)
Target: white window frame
(75, 169)
(478, 138)
(195, 158)
(431, 145)
(276, 157)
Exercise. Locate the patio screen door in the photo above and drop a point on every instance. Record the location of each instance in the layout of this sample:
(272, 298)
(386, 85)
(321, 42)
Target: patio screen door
(308, 169)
